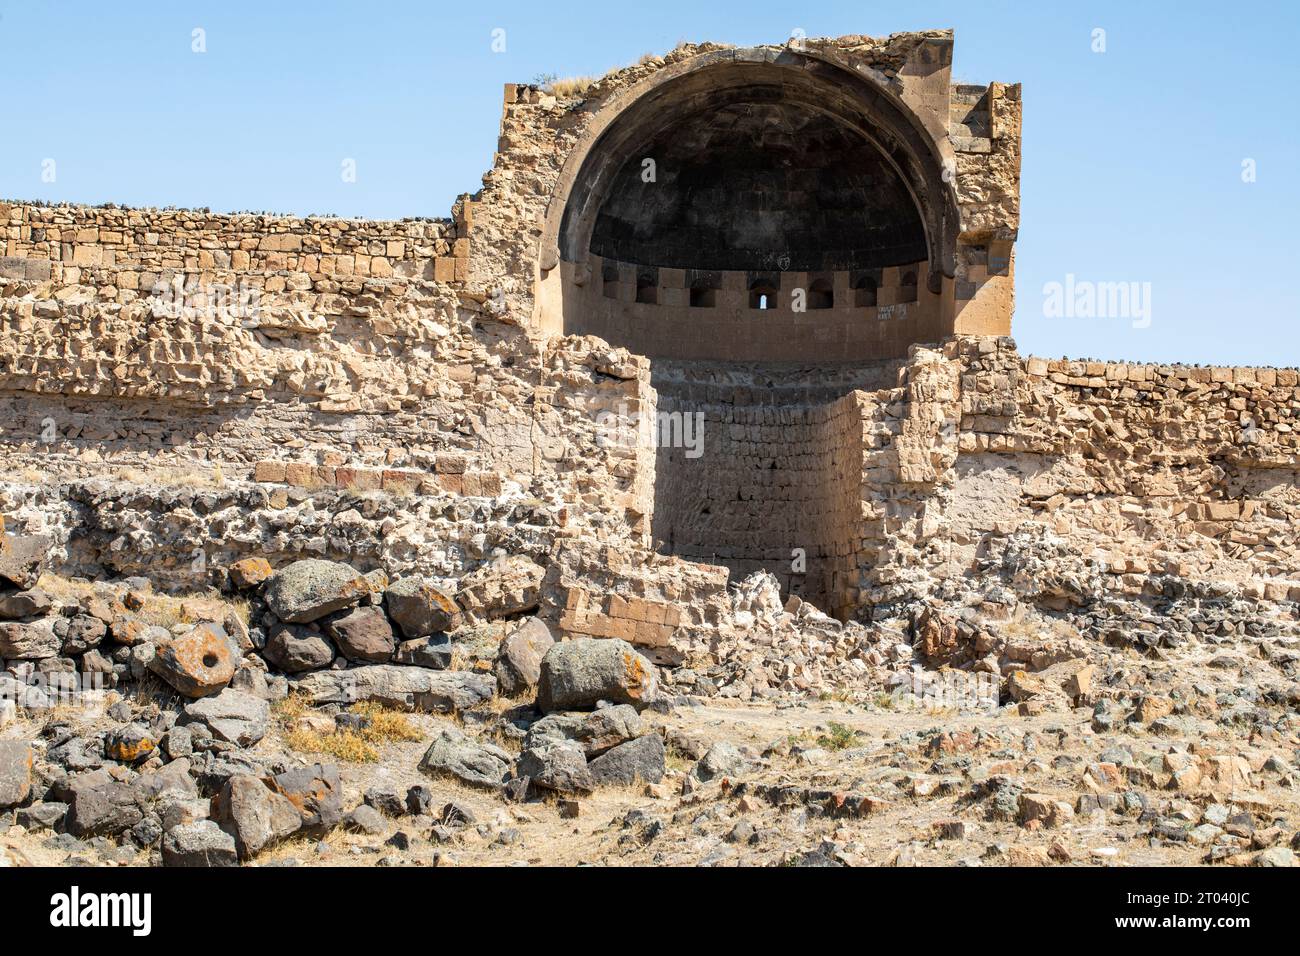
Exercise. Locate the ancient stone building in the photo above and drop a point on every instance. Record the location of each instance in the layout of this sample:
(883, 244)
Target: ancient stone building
(794, 262)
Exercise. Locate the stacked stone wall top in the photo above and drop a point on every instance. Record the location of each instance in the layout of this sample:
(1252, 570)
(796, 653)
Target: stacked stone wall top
(105, 240)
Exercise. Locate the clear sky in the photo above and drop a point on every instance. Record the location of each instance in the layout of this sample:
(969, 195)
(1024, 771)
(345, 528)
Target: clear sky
(1133, 157)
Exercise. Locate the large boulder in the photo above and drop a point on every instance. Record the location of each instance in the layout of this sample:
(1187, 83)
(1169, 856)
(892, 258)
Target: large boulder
(172, 781)
(560, 767)
(637, 761)
(296, 650)
(253, 814)
(403, 688)
(80, 634)
(434, 652)
(317, 792)
(519, 658)
(233, 716)
(309, 589)
(580, 673)
(504, 587)
(453, 754)
(595, 733)
(363, 634)
(36, 641)
(22, 558)
(420, 608)
(201, 843)
(15, 772)
(102, 809)
(198, 663)
(721, 760)
(20, 604)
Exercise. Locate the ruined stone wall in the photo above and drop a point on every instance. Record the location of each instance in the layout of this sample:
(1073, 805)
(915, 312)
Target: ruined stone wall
(304, 362)
(1071, 484)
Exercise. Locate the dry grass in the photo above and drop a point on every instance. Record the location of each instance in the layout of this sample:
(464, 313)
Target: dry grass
(164, 610)
(303, 847)
(196, 475)
(570, 87)
(384, 726)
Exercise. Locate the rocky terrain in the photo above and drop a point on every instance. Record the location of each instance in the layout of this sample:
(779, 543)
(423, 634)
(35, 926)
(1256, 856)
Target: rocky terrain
(314, 715)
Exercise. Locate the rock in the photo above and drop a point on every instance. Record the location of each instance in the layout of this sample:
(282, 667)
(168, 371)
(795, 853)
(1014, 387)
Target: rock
(1151, 708)
(386, 800)
(309, 589)
(130, 631)
(403, 688)
(41, 816)
(1023, 686)
(317, 792)
(1275, 856)
(454, 754)
(434, 652)
(560, 767)
(249, 573)
(579, 673)
(83, 633)
(171, 782)
(233, 716)
(504, 587)
(519, 658)
(637, 760)
(253, 814)
(296, 650)
(29, 642)
(419, 800)
(365, 819)
(198, 663)
(77, 753)
(419, 608)
(102, 809)
(363, 634)
(202, 843)
(1048, 810)
(130, 744)
(595, 732)
(15, 772)
(22, 558)
(721, 760)
(20, 604)
(1079, 684)
(8, 712)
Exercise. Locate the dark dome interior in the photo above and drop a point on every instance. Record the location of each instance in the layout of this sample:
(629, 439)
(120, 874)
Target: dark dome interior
(759, 186)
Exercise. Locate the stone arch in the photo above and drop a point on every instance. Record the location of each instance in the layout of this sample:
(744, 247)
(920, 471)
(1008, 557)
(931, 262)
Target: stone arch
(852, 109)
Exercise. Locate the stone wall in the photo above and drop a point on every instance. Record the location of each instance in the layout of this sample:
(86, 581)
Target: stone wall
(392, 395)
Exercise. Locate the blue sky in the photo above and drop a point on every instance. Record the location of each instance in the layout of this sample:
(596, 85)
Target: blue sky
(1132, 157)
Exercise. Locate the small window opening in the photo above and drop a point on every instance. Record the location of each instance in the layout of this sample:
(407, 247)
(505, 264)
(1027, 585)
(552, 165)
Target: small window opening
(907, 292)
(821, 295)
(609, 282)
(864, 293)
(646, 290)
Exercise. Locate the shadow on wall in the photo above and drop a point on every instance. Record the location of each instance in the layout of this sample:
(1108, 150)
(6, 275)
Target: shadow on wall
(759, 468)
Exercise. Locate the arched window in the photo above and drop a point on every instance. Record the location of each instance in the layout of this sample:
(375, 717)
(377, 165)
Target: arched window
(762, 294)
(907, 291)
(864, 292)
(646, 289)
(821, 294)
(609, 281)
